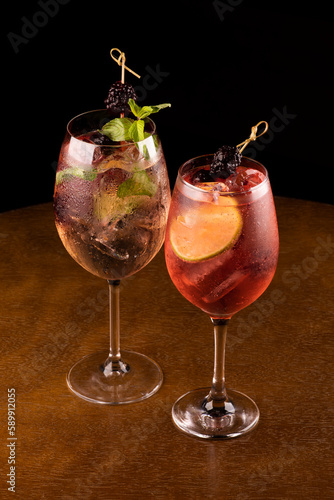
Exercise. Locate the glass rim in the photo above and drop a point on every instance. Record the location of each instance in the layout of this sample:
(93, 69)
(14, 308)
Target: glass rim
(222, 193)
(116, 145)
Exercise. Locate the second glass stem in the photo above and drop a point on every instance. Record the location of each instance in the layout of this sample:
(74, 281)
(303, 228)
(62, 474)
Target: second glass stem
(218, 389)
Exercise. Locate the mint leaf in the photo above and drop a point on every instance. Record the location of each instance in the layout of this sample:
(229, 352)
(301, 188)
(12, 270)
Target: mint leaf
(148, 110)
(138, 184)
(145, 110)
(136, 131)
(127, 129)
(161, 106)
(67, 173)
(134, 107)
(118, 129)
(109, 208)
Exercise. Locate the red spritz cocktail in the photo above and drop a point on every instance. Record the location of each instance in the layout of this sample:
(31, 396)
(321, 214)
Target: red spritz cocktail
(223, 243)
(221, 252)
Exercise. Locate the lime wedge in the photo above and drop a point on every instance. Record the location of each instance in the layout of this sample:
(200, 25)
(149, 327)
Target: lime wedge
(205, 232)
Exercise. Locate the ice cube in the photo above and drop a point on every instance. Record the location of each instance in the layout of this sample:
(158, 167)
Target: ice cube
(118, 240)
(244, 179)
(212, 186)
(225, 286)
(113, 248)
(254, 177)
(125, 159)
(132, 154)
(141, 240)
(106, 240)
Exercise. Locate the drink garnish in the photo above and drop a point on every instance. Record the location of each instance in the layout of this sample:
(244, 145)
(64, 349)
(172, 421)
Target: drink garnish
(100, 139)
(121, 99)
(207, 231)
(253, 135)
(128, 129)
(226, 160)
(118, 97)
(121, 62)
(120, 92)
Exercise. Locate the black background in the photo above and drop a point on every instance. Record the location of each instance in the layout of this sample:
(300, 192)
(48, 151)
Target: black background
(223, 66)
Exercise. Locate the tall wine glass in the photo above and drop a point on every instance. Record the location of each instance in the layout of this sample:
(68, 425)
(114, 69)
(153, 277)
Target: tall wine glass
(111, 204)
(221, 252)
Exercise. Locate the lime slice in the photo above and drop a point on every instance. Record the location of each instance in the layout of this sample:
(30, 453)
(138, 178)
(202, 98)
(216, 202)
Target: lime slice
(205, 232)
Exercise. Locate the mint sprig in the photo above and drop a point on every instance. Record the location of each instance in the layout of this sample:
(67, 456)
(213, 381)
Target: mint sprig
(127, 129)
(123, 129)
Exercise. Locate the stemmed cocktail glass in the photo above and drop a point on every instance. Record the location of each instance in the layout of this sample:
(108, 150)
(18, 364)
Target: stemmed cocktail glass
(111, 202)
(221, 252)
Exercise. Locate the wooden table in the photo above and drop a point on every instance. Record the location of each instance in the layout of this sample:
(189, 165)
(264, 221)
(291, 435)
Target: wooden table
(279, 352)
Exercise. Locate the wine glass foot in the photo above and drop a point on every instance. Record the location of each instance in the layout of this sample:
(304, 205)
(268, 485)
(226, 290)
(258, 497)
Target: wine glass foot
(191, 415)
(142, 379)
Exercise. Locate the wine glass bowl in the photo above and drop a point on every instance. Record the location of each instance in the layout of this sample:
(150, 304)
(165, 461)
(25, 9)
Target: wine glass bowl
(221, 253)
(111, 203)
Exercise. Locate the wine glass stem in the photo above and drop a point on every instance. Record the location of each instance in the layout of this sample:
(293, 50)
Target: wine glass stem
(114, 364)
(114, 320)
(218, 390)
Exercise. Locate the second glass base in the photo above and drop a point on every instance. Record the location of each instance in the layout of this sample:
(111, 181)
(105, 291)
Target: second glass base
(88, 381)
(239, 416)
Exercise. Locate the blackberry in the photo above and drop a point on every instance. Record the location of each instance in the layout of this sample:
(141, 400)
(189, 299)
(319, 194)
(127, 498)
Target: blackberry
(118, 97)
(202, 175)
(100, 139)
(225, 162)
